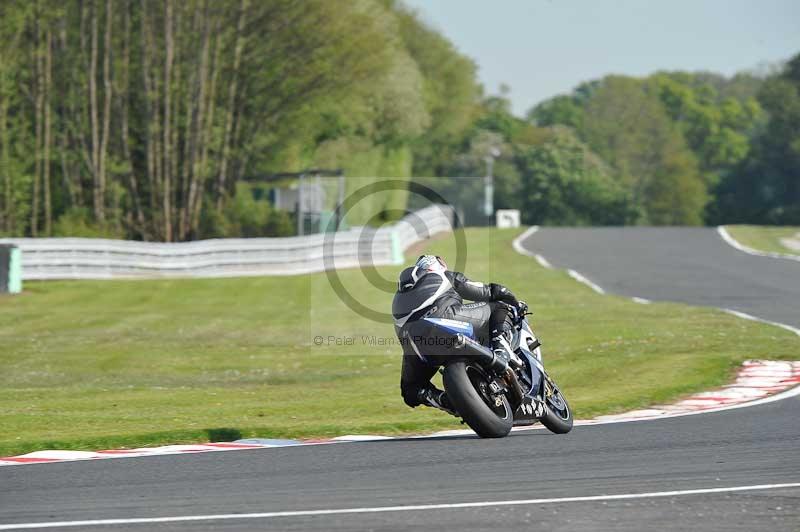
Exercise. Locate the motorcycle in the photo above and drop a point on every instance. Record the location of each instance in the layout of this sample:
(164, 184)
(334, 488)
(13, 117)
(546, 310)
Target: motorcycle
(489, 393)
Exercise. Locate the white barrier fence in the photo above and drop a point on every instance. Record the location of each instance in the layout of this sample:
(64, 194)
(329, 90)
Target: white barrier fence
(96, 258)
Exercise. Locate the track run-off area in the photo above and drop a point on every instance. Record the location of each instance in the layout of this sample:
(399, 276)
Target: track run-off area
(736, 469)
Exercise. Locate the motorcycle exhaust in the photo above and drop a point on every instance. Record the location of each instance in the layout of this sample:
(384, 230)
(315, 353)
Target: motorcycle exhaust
(516, 394)
(483, 355)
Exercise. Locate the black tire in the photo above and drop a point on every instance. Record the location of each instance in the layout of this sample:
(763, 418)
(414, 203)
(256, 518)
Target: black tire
(471, 405)
(557, 413)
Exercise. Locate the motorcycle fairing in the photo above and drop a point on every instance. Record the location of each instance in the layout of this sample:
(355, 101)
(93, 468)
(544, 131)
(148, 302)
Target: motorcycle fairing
(453, 326)
(434, 339)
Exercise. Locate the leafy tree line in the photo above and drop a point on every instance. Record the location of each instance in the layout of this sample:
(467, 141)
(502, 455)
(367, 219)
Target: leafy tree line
(144, 119)
(764, 188)
(674, 148)
(140, 118)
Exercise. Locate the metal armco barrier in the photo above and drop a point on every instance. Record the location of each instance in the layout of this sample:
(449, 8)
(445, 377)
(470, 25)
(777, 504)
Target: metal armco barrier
(95, 258)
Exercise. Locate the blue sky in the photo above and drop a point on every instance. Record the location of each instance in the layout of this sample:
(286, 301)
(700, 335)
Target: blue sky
(546, 47)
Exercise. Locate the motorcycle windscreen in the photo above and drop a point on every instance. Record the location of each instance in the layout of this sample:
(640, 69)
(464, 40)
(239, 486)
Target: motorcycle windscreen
(431, 342)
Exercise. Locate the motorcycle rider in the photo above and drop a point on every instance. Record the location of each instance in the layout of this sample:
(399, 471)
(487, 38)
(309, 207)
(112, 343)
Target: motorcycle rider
(429, 289)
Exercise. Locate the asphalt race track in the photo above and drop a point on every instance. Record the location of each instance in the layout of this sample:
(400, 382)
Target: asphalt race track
(746, 447)
(750, 446)
(689, 265)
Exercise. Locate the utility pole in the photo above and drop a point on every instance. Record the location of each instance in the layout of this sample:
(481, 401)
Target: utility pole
(488, 184)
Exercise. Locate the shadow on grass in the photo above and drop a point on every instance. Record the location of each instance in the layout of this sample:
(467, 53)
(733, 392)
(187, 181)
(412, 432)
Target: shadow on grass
(223, 434)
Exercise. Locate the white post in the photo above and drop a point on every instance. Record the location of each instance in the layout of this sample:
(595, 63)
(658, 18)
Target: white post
(488, 182)
(300, 213)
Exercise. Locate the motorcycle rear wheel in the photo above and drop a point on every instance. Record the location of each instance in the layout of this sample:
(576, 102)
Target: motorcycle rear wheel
(466, 385)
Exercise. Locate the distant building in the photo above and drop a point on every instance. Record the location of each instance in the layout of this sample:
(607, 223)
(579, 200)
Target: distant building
(313, 194)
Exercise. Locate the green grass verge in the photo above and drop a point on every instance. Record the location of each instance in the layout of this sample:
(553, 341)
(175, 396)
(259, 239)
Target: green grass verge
(764, 238)
(91, 365)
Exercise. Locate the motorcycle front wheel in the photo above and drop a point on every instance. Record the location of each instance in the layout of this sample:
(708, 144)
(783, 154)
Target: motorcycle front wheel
(557, 413)
(467, 387)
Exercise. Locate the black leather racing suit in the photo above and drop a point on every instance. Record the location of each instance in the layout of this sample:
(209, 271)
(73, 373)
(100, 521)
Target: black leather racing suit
(442, 294)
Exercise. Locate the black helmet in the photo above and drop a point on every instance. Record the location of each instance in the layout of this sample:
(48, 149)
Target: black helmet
(425, 264)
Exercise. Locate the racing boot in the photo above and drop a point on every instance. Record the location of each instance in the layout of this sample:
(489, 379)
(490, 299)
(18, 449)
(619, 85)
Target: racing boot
(437, 399)
(502, 348)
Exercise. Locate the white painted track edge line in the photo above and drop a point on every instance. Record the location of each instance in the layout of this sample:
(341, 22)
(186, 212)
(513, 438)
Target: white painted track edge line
(728, 238)
(750, 317)
(583, 279)
(543, 262)
(517, 243)
(385, 509)
(519, 248)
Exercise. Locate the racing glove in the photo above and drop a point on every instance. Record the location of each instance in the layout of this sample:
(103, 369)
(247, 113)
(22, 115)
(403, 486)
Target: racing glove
(501, 293)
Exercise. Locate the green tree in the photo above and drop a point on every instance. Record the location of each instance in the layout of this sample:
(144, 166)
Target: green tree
(565, 183)
(629, 128)
(765, 188)
(716, 129)
(450, 88)
(498, 134)
(560, 110)
(142, 115)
